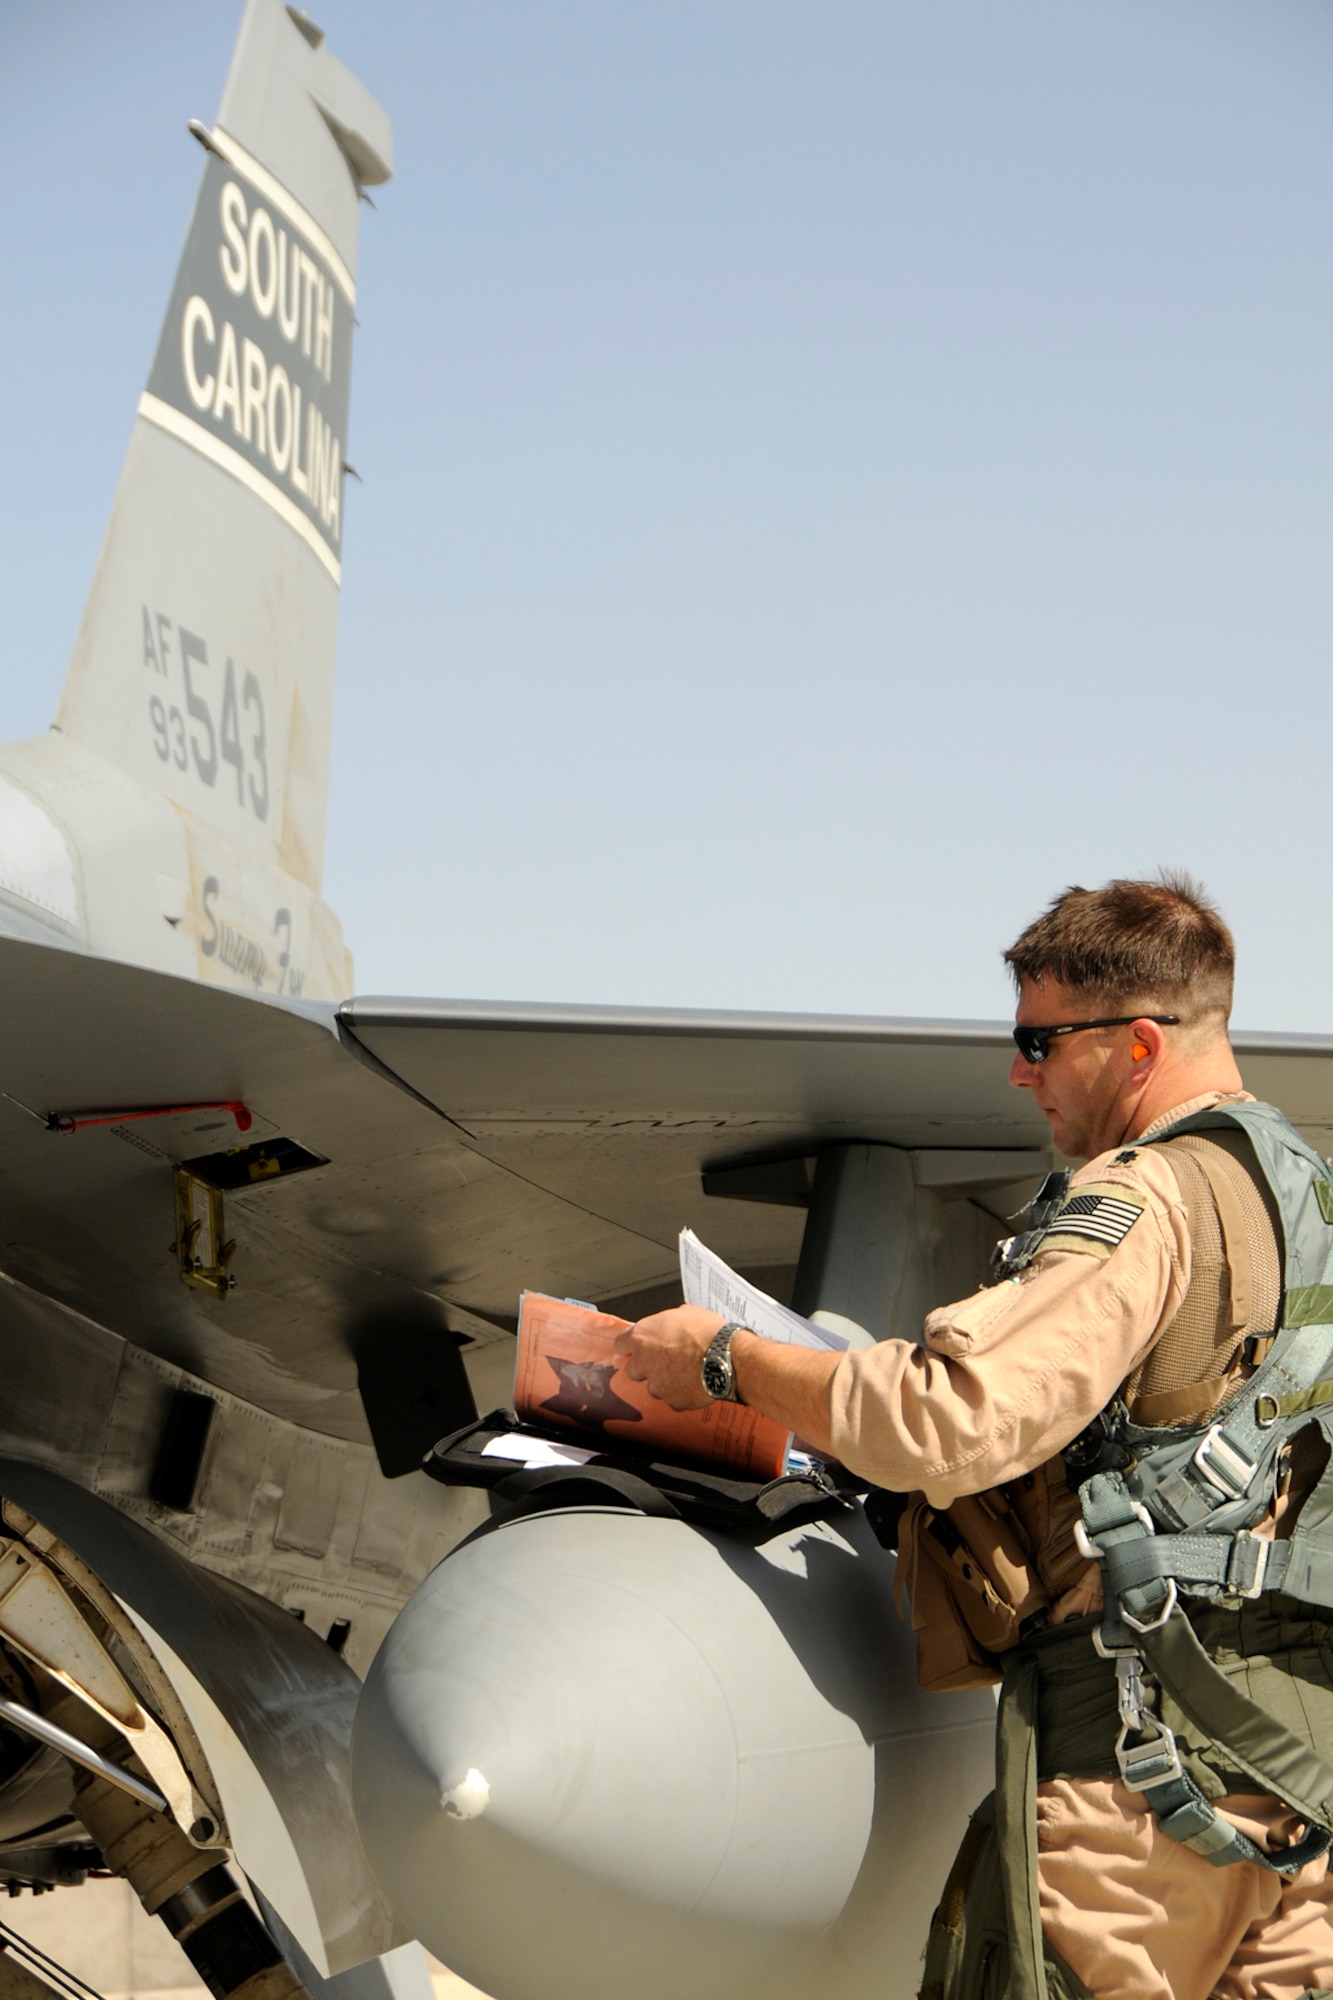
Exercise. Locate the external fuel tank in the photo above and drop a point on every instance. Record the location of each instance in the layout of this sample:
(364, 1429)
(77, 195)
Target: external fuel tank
(603, 1754)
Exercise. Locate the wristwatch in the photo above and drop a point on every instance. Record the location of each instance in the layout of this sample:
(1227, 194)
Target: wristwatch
(719, 1377)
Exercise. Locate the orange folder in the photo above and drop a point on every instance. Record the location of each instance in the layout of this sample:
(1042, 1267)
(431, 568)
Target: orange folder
(569, 1374)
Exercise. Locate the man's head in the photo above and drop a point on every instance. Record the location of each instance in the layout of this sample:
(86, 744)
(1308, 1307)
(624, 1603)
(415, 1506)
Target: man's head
(1124, 954)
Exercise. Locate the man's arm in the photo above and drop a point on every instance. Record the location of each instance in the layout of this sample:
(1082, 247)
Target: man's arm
(789, 1384)
(1003, 1380)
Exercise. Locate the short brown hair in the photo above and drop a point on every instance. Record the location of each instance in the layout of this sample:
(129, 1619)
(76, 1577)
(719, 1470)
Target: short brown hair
(1133, 943)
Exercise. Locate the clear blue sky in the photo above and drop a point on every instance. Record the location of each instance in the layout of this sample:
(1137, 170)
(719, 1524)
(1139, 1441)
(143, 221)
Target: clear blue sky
(834, 473)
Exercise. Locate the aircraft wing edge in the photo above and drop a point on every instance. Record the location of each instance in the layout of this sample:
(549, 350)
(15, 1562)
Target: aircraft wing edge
(368, 1012)
(374, 1012)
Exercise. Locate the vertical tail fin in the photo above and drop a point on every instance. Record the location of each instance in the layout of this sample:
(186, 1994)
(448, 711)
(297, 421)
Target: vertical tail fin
(204, 664)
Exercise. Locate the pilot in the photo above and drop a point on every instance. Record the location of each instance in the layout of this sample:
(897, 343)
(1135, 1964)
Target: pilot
(1148, 1287)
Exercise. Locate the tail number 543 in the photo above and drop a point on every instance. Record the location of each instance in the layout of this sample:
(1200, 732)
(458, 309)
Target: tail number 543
(181, 737)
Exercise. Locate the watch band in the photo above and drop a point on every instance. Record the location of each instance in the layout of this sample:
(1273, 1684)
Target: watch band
(716, 1369)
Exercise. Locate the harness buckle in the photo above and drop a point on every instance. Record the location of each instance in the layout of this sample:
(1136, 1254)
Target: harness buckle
(1083, 1542)
(1151, 1624)
(1227, 1471)
(1131, 1695)
(1145, 1766)
(1093, 1551)
(1243, 1542)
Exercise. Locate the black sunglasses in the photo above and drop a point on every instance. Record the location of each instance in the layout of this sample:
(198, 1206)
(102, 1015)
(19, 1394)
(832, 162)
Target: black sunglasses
(1034, 1044)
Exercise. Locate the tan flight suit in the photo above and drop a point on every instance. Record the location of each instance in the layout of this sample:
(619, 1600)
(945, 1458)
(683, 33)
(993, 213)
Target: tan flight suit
(1003, 1382)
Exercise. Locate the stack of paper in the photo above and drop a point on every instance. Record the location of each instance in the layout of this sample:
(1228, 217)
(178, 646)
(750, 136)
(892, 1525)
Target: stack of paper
(708, 1282)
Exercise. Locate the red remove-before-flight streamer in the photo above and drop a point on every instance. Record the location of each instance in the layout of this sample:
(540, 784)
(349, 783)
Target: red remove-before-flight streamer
(75, 1121)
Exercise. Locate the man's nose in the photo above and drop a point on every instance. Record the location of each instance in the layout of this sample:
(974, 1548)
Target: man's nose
(1021, 1072)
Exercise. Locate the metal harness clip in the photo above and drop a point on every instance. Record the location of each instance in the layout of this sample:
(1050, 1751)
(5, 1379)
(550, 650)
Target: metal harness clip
(1145, 1766)
(1093, 1551)
(1225, 1469)
(1243, 1542)
(1151, 1624)
(1129, 1688)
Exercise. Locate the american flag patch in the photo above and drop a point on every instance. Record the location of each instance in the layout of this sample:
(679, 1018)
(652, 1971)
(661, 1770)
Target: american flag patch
(1101, 1218)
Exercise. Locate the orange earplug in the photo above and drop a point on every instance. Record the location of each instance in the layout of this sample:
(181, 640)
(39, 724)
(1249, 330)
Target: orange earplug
(1139, 1051)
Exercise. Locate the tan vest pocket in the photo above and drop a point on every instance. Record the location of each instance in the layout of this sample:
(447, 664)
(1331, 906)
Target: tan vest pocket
(972, 1588)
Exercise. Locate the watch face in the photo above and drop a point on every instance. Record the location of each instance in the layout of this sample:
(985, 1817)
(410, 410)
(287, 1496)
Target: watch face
(717, 1376)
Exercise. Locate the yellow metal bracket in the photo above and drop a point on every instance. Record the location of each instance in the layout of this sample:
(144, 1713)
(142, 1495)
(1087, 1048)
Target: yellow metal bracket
(203, 1250)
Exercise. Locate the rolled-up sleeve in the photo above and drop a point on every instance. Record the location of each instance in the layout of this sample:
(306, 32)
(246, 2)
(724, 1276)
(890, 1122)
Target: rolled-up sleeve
(1006, 1378)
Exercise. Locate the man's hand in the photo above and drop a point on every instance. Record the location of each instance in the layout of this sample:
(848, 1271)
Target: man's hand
(666, 1351)
(789, 1384)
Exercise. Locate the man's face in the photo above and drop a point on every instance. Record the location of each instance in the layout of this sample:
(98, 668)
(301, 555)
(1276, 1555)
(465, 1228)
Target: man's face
(1079, 1085)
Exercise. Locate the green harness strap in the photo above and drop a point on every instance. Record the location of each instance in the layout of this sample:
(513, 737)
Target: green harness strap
(1248, 1736)
(1242, 1734)
(1016, 1827)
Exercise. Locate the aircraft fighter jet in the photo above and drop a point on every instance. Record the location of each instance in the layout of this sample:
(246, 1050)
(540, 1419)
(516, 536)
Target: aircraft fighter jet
(261, 1245)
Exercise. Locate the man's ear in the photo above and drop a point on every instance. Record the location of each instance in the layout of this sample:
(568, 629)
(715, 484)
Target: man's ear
(1147, 1045)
